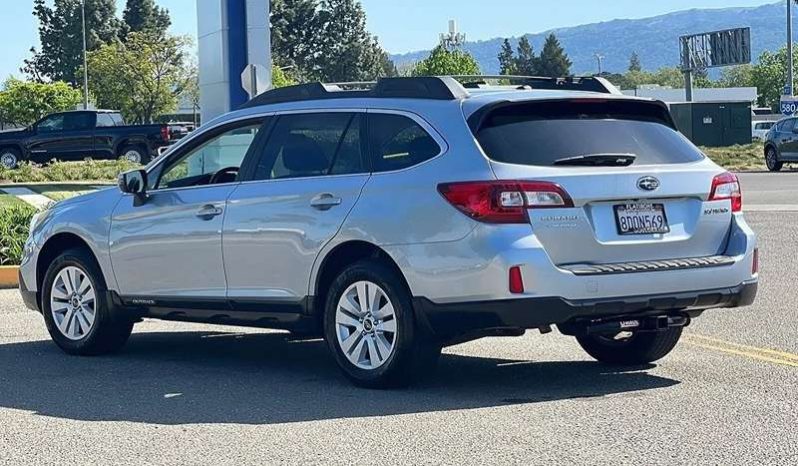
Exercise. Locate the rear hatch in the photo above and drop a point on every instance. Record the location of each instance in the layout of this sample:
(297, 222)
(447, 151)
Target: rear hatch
(639, 189)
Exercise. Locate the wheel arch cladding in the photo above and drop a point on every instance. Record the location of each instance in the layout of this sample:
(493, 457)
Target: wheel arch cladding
(52, 248)
(342, 256)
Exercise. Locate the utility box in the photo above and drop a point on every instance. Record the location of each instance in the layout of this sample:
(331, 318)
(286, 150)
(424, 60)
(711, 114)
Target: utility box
(714, 124)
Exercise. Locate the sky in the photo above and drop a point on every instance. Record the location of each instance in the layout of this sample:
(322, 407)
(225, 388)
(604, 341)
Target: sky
(401, 25)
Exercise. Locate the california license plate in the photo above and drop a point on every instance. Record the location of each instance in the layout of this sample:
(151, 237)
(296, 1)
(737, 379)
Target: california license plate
(641, 219)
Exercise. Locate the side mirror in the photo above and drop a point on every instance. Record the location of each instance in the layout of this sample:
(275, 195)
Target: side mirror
(134, 182)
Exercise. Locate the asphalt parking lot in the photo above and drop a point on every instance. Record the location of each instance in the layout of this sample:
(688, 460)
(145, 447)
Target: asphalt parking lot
(189, 394)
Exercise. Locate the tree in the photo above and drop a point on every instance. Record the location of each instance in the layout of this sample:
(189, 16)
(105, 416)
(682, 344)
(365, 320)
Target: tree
(769, 76)
(146, 16)
(507, 58)
(279, 78)
(737, 76)
(295, 38)
(142, 77)
(634, 63)
(23, 103)
(527, 62)
(553, 61)
(346, 51)
(442, 62)
(61, 37)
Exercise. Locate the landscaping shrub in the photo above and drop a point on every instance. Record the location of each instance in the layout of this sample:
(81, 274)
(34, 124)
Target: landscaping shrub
(14, 223)
(87, 170)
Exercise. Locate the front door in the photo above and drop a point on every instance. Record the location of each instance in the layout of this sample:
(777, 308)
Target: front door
(63, 136)
(301, 190)
(170, 246)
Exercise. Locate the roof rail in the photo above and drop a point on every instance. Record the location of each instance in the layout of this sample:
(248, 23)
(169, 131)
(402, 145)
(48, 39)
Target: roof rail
(571, 83)
(433, 88)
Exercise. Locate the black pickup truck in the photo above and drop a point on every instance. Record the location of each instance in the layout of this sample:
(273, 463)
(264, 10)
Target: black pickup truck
(98, 134)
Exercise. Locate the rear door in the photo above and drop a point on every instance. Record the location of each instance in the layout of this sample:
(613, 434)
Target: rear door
(293, 202)
(650, 210)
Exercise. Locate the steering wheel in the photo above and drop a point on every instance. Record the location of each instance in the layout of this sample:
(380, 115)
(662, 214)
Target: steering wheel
(219, 177)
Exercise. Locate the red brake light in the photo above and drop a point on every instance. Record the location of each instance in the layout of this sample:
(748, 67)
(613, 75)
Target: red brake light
(726, 186)
(504, 201)
(165, 133)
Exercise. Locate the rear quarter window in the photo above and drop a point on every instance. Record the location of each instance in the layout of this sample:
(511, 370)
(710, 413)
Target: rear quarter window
(399, 142)
(540, 134)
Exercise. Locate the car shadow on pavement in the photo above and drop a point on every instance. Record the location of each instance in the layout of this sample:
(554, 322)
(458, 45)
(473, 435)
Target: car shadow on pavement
(206, 377)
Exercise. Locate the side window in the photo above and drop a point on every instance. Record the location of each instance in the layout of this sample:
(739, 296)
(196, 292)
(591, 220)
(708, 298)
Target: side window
(315, 144)
(51, 123)
(117, 118)
(104, 120)
(399, 142)
(215, 161)
(787, 126)
(79, 121)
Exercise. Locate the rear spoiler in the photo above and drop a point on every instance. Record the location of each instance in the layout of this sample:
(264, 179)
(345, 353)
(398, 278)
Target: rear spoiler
(651, 110)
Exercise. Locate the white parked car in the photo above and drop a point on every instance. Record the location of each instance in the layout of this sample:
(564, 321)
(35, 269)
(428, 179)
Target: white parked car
(760, 129)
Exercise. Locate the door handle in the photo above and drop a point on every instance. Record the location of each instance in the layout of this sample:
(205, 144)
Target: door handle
(208, 212)
(325, 201)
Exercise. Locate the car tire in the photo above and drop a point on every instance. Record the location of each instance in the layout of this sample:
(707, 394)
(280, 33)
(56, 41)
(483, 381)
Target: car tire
(639, 348)
(76, 309)
(134, 154)
(382, 344)
(772, 160)
(9, 158)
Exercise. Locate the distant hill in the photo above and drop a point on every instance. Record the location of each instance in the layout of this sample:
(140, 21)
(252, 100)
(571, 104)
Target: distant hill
(655, 39)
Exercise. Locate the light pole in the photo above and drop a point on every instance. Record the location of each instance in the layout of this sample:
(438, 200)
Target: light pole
(85, 59)
(599, 58)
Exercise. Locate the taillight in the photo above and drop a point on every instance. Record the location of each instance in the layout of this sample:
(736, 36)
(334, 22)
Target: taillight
(726, 186)
(165, 133)
(504, 201)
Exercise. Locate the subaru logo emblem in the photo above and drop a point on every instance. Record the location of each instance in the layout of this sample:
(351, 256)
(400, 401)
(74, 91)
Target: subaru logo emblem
(648, 183)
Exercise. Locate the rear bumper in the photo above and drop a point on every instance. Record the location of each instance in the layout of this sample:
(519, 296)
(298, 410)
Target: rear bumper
(452, 321)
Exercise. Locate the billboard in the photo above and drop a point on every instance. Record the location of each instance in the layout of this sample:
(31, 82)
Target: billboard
(714, 49)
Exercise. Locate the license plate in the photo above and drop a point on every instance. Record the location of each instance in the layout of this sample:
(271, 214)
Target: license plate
(641, 219)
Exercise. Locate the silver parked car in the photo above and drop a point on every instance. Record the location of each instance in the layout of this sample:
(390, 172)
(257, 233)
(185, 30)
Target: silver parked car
(401, 218)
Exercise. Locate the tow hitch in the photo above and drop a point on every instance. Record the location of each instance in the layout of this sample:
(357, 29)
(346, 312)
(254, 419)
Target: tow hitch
(624, 324)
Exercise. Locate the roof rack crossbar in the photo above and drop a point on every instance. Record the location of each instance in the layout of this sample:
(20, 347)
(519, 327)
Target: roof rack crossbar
(431, 88)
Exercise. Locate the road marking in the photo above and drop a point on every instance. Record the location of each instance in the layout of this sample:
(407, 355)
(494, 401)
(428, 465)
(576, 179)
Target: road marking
(32, 198)
(762, 354)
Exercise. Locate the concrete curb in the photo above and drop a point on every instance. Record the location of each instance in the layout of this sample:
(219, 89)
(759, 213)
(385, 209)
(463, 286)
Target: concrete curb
(9, 276)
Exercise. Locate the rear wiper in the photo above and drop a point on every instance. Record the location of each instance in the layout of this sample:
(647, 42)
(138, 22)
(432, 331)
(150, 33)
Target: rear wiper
(599, 160)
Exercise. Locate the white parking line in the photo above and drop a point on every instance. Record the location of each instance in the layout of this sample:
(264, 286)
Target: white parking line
(32, 198)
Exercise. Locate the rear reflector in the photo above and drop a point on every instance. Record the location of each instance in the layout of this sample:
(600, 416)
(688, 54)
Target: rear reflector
(755, 266)
(504, 201)
(726, 186)
(516, 280)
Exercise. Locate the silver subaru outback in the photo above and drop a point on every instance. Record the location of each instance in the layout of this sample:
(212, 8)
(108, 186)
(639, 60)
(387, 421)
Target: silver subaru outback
(400, 218)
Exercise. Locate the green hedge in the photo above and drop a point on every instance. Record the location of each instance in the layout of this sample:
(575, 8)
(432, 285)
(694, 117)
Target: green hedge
(88, 170)
(14, 222)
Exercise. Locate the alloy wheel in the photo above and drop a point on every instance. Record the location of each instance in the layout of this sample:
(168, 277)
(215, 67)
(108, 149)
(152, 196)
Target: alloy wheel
(366, 326)
(8, 160)
(73, 303)
(132, 156)
(770, 159)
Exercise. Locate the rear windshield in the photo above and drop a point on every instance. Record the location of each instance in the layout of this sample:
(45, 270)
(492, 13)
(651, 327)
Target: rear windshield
(542, 133)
